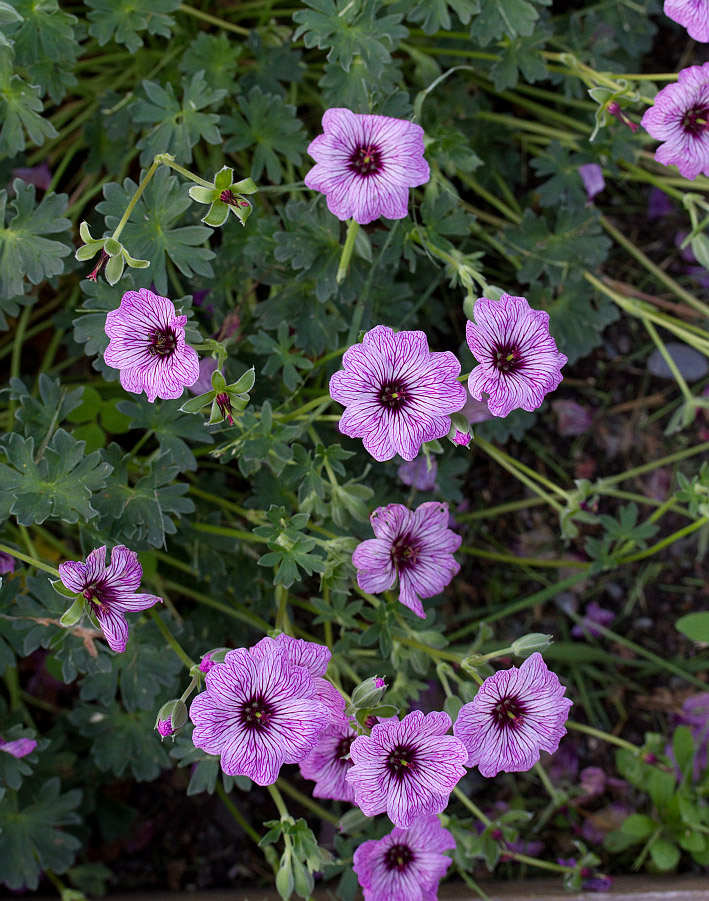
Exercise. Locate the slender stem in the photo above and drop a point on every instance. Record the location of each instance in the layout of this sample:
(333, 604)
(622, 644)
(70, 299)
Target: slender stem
(490, 512)
(670, 539)
(311, 404)
(205, 599)
(237, 814)
(279, 802)
(672, 366)
(508, 464)
(282, 620)
(227, 532)
(186, 172)
(604, 736)
(343, 268)
(546, 782)
(654, 464)
(213, 20)
(32, 562)
(136, 197)
(307, 802)
(524, 561)
(170, 638)
(472, 806)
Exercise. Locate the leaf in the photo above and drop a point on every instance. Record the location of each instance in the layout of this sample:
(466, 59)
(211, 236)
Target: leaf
(122, 20)
(505, 17)
(24, 251)
(347, 30)
(694, 626)
(11, 307)
(60, 486)
(435, 15)
(54, 405)
(683, 747)
(638, 826)
(170, 426)
(521, 54)
(20, 109)
(176, 127)
(664, 855)
(46, 45)
(216, 57)
(122, 742)
(31, 839)
(272, 127)
(151, 233)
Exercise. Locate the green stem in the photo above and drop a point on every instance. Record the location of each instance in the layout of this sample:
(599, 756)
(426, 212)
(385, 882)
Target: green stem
(136, 197)
(655, 464)
(170, 638)
(670, 539)
(213, 20)
(282, 621)
(237, 814)
(524, 561)
(679, 378)
(472, 806)
(205, 599)
(546, 782)
(227, 532)
(604, 736)
(490, 512)
(511, 467)
(343, 268)
(32, 562)
(279, 802)
(186, 172)
(307, 802)
(311, 404)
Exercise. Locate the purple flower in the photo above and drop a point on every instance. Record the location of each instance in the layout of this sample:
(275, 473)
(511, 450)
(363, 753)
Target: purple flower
(405, 865)
(659, 204)
(407, 768)
(461, 438)
(259, 711)
(206, 663)
(365, 165)
(7, 563)
(165, 728)
(148, 346)
(207, 365)
(571, 418)
(519, 362)
(329, 761)
(397, 393)
(592, 178)
(39, 176)
(379, 682)
(594, 615)
(476, 411)
(419, 473)
(695, 715)
(415, 546)
(515, 713)
(680, 118)
(314, 658)
(21, 747)
(110, 591)
(692, 14)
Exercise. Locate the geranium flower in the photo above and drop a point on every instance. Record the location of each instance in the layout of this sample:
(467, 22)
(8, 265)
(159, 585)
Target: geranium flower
(20, 747)
(414, 546)
(365, 165)
(314, 658)
(692, 14)
(329, 762)
(419, 473)
(396, 392)
(148, 346)
(680, 118)
(515, 713)
(519, 362)
(258, 712)
(407, 769)
(109, 591)
(405, 865)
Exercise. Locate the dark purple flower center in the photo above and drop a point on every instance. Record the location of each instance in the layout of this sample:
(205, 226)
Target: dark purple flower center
(256, 714)
(99, 267)
(393, 395)
(401, 761)
(342, 751)
(696, 120)
(404, 553)
(366, 161)
(225, 408)
(398, 857)
(507, 358)
(94, 595)
(230, 198)
(163, 342)
(509, 713)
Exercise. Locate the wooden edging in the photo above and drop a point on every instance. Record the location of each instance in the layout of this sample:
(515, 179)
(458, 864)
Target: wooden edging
(625, 888)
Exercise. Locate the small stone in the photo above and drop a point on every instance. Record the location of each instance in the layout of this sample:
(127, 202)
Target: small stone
(691, 364)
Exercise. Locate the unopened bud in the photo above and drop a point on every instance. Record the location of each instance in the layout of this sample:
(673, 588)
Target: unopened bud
(368, 693)
(460, 431)
(534, 643)
(285, 880)
(303, 881)
(171, 717)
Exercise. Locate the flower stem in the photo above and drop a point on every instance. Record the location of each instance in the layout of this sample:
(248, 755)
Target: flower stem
(279, 802)
(546, 782)
(213, 20)
(472, 807)
(604, 736)
(511, 466)
(170, 638)
(237, 814)
(307, 802)
(670, 539)
(186, 172)
(136, 197)
(342, 269)
(32, 562)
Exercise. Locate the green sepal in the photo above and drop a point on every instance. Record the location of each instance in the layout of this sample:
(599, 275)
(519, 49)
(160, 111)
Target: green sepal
(61, 588)
(245, 186)
(203, 195)
(85, 234)
(133, 263)
(114, 269)
(195, 404)
(112, 247)
(217, 214)
(242, 213)
(215, 414)
(242, 385)
(72, 616)
(218, 381)
(223, 178)
(87, 251)
(238, 401)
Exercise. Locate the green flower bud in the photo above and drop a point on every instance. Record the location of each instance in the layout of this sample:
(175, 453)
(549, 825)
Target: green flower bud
(171, 718)
(368, 693)
(531, 644)
(285, 880)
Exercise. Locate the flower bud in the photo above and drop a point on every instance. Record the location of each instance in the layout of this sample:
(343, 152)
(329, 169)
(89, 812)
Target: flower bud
(303, 881)
(368, 693)
(460, 431)
(171, 717)
(285, 880)
(535, 642)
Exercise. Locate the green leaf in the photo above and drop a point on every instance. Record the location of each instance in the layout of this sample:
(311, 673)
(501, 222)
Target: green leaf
(694, 626)
(505, 17)
(638, 827)
(8, 14)
(50, 409)
(176, 127)
(521, 54)
(24, 251)
(270, 126)
(664, 855)
(20, 114)
(216, 56)
(348, 29)
(151, 232)
(46, 45)
(172, 428)
(31, 839)
(59, 486)
(683, 747)
(122, 20)
(435, 15)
